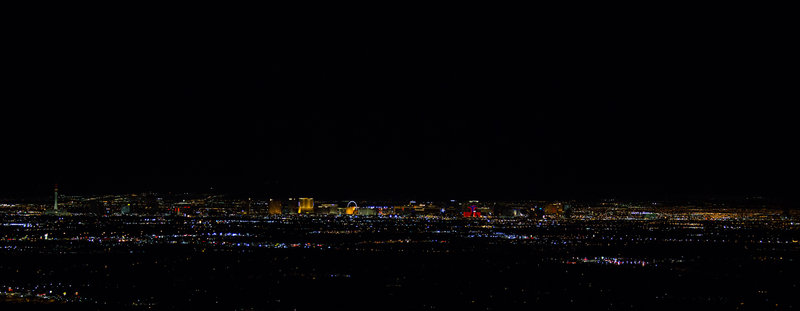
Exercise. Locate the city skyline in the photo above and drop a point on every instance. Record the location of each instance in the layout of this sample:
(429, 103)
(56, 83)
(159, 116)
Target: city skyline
(593, 157)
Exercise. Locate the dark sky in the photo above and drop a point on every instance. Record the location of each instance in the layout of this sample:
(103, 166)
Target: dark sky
(483, 105)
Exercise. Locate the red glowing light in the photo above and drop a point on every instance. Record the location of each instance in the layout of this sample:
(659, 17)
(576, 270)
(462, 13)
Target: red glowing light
(472, 214)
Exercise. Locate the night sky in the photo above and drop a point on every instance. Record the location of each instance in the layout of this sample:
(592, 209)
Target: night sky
(654, 106)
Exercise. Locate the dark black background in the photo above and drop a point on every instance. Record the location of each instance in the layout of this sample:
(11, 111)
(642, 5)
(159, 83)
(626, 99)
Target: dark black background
(388, 103)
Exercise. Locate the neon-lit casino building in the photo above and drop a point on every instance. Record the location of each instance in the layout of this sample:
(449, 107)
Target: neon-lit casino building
(275, 207)
(472, 212)
(306, 206)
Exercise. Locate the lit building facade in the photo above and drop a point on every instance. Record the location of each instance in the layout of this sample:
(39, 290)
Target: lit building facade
(275, 207)
(306, 205)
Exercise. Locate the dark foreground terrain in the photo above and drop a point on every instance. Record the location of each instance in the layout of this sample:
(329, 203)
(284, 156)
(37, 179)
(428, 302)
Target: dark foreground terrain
(312, 263)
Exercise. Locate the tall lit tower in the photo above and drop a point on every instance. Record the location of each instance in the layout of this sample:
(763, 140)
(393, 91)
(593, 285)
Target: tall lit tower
(55, 199)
